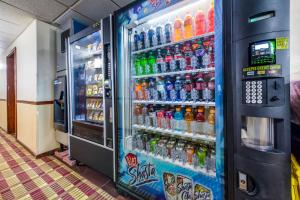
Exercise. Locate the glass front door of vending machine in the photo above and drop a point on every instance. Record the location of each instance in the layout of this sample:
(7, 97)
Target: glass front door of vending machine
(170, 101)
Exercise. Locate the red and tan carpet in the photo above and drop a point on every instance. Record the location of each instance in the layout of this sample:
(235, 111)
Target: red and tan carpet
(24, 177)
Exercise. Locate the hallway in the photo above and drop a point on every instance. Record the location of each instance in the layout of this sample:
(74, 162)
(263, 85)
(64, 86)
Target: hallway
(24, 177)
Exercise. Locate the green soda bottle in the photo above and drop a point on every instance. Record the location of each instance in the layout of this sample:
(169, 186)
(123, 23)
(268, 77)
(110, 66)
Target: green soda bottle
(201, 155)
(143, 61)
(153, 144)
(151, 62)
(137, 65)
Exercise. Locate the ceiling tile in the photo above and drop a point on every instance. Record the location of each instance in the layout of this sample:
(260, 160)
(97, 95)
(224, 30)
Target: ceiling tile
(68, 2)
(11, 14)
(104, 8)
(70, 14)
(44, 9)
(123, 3)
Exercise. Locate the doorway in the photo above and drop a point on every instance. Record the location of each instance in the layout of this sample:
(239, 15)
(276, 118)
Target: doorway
(11, 93)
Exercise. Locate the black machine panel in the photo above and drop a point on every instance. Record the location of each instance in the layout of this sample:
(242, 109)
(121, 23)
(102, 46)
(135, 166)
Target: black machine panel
(60, 104)
(259, 105)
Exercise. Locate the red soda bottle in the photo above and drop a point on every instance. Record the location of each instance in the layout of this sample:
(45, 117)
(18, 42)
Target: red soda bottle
(211, 17)
(200, 23)
(188, 54)
(168, 60)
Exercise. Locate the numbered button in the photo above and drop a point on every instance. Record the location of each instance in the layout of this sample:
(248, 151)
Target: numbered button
(259, 101)
(253, 101)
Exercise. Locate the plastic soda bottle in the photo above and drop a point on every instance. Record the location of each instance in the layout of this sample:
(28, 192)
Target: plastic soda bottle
(189, 57)
(145, 90)
(160, 62)
(138, 90)
(178, 87)
(211, 121)
(168, 60)
(188, 86)
(160, 87)
(190, 151)
(169, 87)
(143, 38)
(152, 89)
(159, 35)
(201, 156)
(151, 36)
(136, 41)
(168, 32)
(189, 117)
(178, 118)
(179, 60)
(151, 63)
(188, 26)
(138, 114)
(143, 64)
(137, 65)
(160, 118)
(169, 117)
(178, 29)
(200, 22)
(199, 52)
(200, 86)
(200, 120)
(211, 17)
(153, 144)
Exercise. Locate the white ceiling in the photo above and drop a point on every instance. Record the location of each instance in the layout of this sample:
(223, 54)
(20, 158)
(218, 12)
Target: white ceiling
(16, 15)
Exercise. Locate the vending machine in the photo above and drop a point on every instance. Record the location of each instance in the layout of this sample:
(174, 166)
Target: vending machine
(92, 116)
(202, 99)
(170, 99)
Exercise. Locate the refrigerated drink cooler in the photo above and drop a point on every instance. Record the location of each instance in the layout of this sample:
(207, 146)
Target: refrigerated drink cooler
(91, 74)
(190, 110)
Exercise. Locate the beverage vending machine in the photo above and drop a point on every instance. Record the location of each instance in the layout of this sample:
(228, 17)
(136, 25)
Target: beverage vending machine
(170, 99)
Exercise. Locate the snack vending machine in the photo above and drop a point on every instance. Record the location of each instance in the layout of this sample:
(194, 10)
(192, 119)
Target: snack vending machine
(170, 123)
(91, 75)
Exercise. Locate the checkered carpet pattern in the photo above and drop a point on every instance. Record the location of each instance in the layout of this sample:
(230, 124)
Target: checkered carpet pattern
(24, 177)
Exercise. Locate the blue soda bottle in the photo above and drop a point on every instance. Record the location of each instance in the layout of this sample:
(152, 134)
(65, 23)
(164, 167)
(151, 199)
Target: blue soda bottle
(160, 87)
(151, 36)
(178, 87)
(136, 41)
(178, 117)
(168, 32)
(169, 87)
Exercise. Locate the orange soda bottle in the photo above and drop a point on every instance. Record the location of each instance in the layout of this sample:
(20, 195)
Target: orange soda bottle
(138, 90)
(188, 26)
(200, 23)
(188, 117)
(211, 17)
(178, 29)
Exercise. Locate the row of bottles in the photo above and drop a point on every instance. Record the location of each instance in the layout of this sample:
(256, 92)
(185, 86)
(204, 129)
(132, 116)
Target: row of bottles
(199, 120)
(176, 31)
(197, 87)
(196, 54)
(188, 153)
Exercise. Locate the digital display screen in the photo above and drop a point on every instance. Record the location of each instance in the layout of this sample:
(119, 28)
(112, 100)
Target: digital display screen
(263, 52)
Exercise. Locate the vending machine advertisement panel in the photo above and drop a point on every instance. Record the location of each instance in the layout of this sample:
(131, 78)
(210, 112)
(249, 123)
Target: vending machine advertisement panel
(170, 125)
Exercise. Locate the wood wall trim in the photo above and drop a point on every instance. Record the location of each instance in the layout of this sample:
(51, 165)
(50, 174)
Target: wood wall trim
(35, 102)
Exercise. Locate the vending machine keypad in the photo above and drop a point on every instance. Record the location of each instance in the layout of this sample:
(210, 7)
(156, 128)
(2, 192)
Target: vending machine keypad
(254, 92)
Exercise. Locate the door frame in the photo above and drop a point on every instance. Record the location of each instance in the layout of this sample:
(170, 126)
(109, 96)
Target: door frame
(14, 54)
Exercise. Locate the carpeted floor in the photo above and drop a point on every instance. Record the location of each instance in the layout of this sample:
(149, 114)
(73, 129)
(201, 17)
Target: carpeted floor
(24, 177)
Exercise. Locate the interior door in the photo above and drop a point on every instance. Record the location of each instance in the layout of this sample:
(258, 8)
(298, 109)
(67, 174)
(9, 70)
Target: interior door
(11, 93)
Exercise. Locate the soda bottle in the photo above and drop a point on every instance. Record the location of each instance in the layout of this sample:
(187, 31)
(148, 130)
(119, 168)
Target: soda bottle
(178, 118)
(152, 117)
(151, 37)
(212, 160)
(168, 32)
(179, 151)
(151, 63)
(171, 148)
(190, 59)
(179, 60)
(137, 65)
(190, 151)
(201, 156)
(188, 86)
(160, 62)
(211, 88)
(138, 114)
(210, 128)
(152, 89)
(169, 118)
(145, 114)
(144, 63)
(143, 38)
(159, 35)
(160, 115)
(145, 90)
(153, 144)
(200, 22)
(200, 86)
(178, 29)
(168, 60)
(199, 52)
(188, 26)
(138, 90)
(160, 87)
(200, 120)
(211, 51)
(169, 87)
(136, 41)
(189, 117)
(211, 17)
(178, 87)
